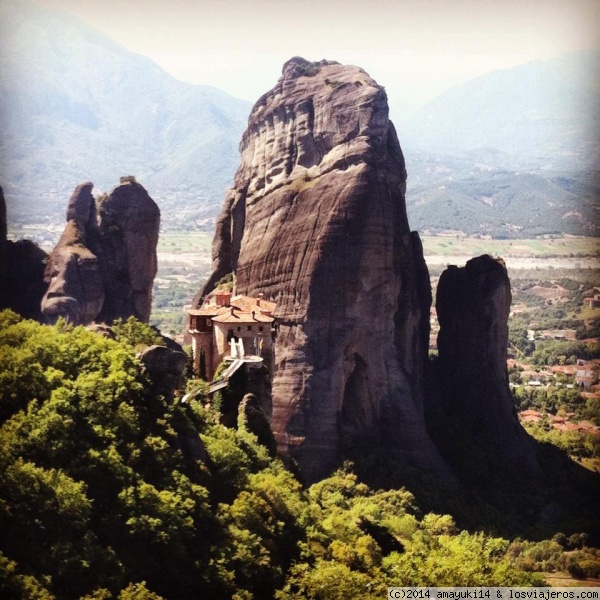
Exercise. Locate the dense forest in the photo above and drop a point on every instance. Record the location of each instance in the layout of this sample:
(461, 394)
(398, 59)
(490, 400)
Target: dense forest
(109, 490)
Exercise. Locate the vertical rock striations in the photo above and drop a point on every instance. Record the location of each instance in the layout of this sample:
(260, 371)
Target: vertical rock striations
(473, 305)
(128, 220)
(317, 222)
(75, 288)
(104, 264)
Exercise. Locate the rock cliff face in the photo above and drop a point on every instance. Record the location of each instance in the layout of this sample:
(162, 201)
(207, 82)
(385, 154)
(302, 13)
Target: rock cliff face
(128, 220)
(473, 305)
(104, 264)
(316, 221)
(75, 289)
(22, 266)
(165, 367)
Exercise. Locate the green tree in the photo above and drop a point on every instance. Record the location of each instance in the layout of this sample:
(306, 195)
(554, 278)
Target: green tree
(136, 333)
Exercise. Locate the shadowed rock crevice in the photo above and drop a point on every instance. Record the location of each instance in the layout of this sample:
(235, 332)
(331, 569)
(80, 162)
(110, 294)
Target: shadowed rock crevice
(357, 416)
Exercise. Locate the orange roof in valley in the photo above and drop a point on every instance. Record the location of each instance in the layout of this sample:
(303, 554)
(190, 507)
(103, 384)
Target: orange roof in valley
(530, 418)
(566, 369)
(530, 413)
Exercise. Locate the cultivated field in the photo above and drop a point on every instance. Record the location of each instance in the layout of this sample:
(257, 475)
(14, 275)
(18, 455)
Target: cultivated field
(458, 245)
(572, 253)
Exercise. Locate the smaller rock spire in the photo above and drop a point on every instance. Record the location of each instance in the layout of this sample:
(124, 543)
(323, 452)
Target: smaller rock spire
(104, 264)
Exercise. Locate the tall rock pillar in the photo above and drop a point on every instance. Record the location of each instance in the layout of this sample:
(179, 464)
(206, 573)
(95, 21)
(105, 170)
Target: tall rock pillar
(473, 305)
(317, 222)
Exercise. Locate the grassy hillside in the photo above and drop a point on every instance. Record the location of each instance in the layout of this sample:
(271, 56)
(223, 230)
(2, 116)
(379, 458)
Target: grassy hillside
(505, 204)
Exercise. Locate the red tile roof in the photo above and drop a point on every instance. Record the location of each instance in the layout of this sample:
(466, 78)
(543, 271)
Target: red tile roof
(248, 304)
(530, 413)
(205, 311)
(229, 314)
(242, 309)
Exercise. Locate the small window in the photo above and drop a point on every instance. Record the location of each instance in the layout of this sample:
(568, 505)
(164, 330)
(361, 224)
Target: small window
(260, 327)
(249, 327)
(239, 328)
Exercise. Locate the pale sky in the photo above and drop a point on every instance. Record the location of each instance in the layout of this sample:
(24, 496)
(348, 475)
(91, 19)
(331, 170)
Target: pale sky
(415, 48)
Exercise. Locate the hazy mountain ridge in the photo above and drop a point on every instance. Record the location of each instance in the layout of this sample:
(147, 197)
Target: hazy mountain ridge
(78, 106)
(511, 153)
(543, 112)
(455, 193)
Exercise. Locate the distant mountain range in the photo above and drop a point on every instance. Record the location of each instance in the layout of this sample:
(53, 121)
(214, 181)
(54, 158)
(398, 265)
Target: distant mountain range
(77, 106)
(506, 204)
(544, 113)
(512, 153)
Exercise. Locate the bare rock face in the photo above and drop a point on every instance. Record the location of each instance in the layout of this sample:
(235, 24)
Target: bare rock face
(317, 222)
(473, 305)
(22, 266)
(104, 264)
(75, 287)
(25, 285)
(165, 367)
(129, 221)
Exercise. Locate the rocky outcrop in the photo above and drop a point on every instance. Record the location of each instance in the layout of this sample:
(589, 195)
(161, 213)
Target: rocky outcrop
(251, 417)
(128, 220)
(22, 265)
(25, 285)
(316, 221)
(473, 305)
(75, 286)
(104, 264)
(165, 367)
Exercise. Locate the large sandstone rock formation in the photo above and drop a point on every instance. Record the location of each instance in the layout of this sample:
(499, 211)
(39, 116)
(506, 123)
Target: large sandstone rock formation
(22, 265)
(129, 221)
(317, 222)
(104, 264)
(75, 288)
(473, 305)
